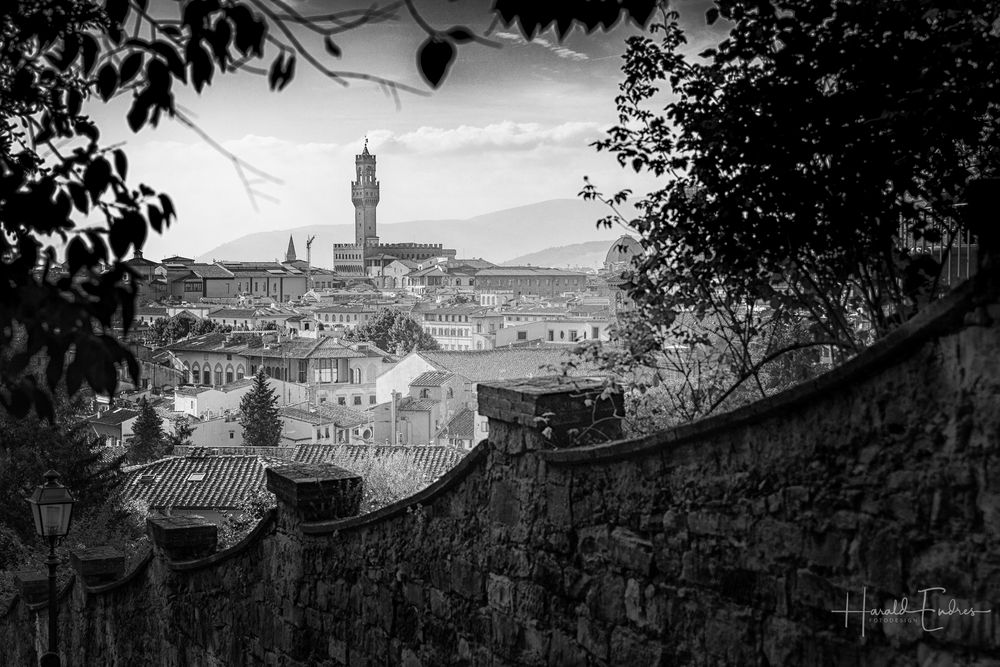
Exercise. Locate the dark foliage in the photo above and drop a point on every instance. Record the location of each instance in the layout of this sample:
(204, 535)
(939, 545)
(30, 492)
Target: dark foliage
(30, 446)
(259, 414)
(148, 440)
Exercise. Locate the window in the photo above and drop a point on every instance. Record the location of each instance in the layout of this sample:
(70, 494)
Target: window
(323, 370)
(303, 371)
(327, 431)
(595, 333)
(196, 477)
(341, 400)
(552, 334)
(572, 334)
(357, 400)
(232, 435)
(424, 393)
(229, 375)
(522, 335)
(371, 400)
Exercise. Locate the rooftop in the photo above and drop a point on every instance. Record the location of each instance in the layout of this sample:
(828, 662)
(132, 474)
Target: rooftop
(502, 364)
(434, 460)
(197, 482)
(431, 379)
(462, 426)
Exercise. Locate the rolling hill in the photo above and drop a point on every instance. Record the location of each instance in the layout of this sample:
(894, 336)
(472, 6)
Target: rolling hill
(589, 253)
(498, 237)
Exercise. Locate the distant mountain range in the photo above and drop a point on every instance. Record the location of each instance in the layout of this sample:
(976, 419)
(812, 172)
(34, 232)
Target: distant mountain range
(589, 253)
(498, 237)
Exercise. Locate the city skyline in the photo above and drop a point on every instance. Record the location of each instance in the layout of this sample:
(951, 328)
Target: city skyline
(510, 126)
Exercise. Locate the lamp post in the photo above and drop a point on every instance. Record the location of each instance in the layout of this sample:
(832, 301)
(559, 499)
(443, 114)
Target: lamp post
(52, 509)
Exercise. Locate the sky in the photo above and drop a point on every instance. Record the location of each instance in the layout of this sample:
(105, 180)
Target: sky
(511, 125)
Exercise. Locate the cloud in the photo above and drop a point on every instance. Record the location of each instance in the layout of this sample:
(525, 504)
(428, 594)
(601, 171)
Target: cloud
(503, 136)
(561, 51)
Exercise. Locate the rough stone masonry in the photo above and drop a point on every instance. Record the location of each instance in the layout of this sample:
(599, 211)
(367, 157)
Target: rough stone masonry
(753, 538)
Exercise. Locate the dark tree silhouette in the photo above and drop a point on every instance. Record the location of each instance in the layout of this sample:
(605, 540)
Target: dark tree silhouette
(30, 446)
(259, 414)
(148, 441)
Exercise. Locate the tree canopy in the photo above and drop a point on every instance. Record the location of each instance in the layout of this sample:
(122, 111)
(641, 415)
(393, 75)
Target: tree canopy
(803, 155)
(55, 55)
(259, 414)
(148, 440)
(393, 331)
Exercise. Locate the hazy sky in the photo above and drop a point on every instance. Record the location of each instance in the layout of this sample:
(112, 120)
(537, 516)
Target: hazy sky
(509, 126)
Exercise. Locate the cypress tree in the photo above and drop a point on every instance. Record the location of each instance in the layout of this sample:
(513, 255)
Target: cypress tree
(148, 440)
(259, 414)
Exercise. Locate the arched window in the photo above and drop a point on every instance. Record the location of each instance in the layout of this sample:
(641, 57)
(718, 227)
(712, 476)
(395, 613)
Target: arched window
(240, 372)
(229, 373)
(218, 374)
(356, 376)
(196, 373)
(187, 373)
(425, 393)
(451, 393)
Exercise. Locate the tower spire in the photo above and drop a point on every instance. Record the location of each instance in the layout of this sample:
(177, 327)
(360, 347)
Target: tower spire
(365, 197)
(290, 253)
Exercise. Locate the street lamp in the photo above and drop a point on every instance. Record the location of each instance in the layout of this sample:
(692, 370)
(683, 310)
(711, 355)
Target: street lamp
(52, 509)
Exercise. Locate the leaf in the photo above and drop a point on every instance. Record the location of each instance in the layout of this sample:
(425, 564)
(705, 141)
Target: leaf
(71, 48)
(434, 57)
(77, 255)
(130, 67)
(168, 208)
(155, 218)
(274, 73)
(201, 65)
(121, 163)
(331, 47)
(107, 81)
(90, 49)
(172, 58)
(712, 15)
(139, 112)
(79, 196)
(97, 177)
(288, 73)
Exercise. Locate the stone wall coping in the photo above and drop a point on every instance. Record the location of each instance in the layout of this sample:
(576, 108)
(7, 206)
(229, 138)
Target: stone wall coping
(139, 568)
(262, 528)
(61, 593)
(937, 318)
(442, 485)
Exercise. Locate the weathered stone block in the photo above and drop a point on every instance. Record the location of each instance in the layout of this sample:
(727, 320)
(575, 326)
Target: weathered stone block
(98, 565)
(557, 403)
(33, 586)
(316, 492)
(183, 537)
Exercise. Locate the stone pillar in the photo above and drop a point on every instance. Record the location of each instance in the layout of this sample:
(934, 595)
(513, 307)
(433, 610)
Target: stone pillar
(182, 537)
(315, 491)
(549, 412)
(33, 586)
(99, 565)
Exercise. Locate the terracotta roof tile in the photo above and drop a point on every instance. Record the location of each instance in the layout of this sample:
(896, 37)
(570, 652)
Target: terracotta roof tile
(197, 482)
(434, 460)
(431, 379)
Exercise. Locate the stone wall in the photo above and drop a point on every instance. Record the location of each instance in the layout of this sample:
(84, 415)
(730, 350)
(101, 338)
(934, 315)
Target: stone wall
(735, 540)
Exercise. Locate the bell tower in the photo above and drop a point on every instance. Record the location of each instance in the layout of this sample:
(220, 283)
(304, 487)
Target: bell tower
(364, 195)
